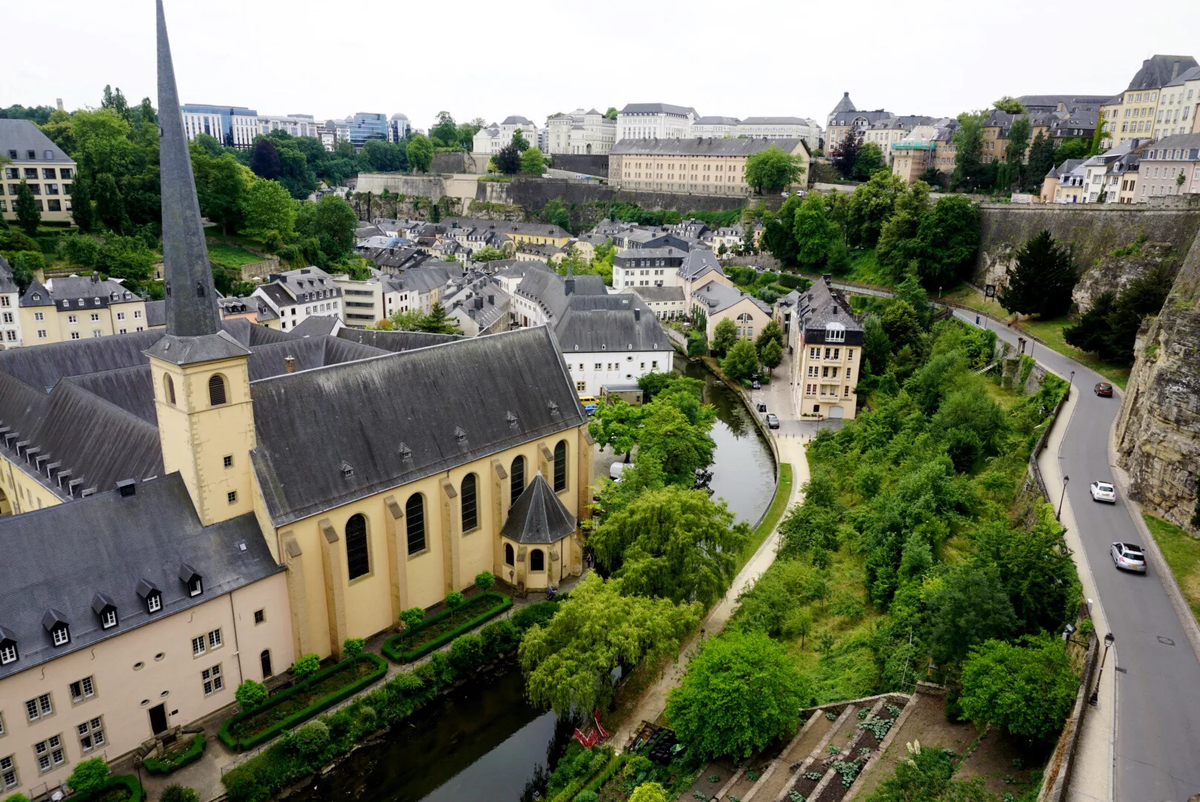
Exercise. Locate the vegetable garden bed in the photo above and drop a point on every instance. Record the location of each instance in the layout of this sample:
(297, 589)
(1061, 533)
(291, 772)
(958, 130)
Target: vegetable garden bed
(301, 702)
(438, 630)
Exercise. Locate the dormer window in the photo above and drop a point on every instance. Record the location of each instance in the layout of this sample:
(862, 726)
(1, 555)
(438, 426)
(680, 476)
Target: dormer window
(193, 580)
(835, 333)
(103, 607)
(150, 594)
(56, 624)
(8, 647)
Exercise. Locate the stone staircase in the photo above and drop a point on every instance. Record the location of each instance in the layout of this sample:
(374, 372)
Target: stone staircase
(827, 756)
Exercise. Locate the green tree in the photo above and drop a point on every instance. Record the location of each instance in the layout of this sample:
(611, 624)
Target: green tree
(29, 216)
(870, 207)
(352, 649)
(508, 160)
(967, 606)
(618, 425)
(1010, 105)
(222, 185)
(742, 360)
(127, 258)
(1074, 148)
(179, 793)
(444, 132)
(724, 336)
(1014, 154)
(902, 326)
(436, 322)
(533, 162)
(815, 232)
(420, 153)
(968, 152)
(25, 265)
(381, 157)
(250, 694)
(648, 792)
(81, 203)
(845, 155)
(412, 617)
(332, 222)
(1041, 161)
(899, 242)
(1027, 688)
(269, 207)
(110, 207)
(697, 343)
(1110, 325)
(568, 661)
(484, 581)
(1098, 135)
(611, 114)
(869, 161)
(305, 667)
(771, 355)
(740, 693)
(265, 160)
(678, 443)
(876, 346)
(454, 603)
(488, 254)
(772, 169)
(671, 542)
(949, 240)
(89, 777)
(1041, 280)
(519, 141)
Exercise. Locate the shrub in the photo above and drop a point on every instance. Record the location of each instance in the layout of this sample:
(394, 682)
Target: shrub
(648, 792)
(311, 740)
(179, 793)
(497, 638)
(306, 666)
(171, 763)
(250, 694)
(352, 648)
(586, 796)
(89, 776)
(438, 630)
(412, 617)
(1027, 689)
(484, 580)
(466, 654)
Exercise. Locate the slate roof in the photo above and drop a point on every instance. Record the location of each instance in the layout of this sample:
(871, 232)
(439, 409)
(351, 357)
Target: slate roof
(517, 268)
(657, 108)
(156, 314)
(1186, 142)
(1050, 102)
(7, 285)
(844, 105)
(702, 146)
(775, 121)
(398, 437)
(62, 556)
(23, 136)
(395, 341)
(717, 121)
(1185, 76)
(131, 389)
(844, 118)
(538, 517)
(822, 306)
(659, 294)
(717, 297)
(517, 119)
(60, 291)
(548, 289)
(317, 326)
(595, 323)
(1159, 70)
(698, 262)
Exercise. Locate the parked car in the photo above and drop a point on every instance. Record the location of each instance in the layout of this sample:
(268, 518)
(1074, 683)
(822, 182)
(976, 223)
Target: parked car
(755, 385)
(1129, 557)
(1104, 390)
(1104, 491)
(772, 421)
(762, 409)
(617, 468)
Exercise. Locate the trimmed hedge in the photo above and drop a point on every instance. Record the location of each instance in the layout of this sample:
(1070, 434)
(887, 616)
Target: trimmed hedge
(251, 741)
(127, 781)
(393, 647)
(170, 764)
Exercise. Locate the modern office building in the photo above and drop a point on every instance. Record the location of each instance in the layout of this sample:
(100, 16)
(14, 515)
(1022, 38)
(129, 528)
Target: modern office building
(235, 126)
(366, 125)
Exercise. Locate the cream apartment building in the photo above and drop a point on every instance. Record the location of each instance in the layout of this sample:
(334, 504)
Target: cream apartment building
(702, 166)
(828, 355)
(1138, 116)
(1178, 106)
(34, 160)
(78, 308)
(1170, 166)
(655, 121)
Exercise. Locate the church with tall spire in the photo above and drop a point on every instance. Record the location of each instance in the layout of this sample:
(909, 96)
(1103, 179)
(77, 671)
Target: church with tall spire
(183, 511)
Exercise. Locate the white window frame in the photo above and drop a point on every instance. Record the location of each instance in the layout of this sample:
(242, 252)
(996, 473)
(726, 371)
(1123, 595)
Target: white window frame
(8, 773)
(199, 646)
(61, 635)
(8, 654)
(213, 680)
(91, 734)
(86, 689)
(49, 753)
(154, 602)
(108, 619)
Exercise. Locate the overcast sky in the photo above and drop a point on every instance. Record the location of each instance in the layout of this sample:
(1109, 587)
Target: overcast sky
(490, 60)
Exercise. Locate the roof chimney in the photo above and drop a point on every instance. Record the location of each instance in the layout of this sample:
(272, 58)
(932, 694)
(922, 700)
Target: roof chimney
(290, 363)
(127, 487)
(637, 314)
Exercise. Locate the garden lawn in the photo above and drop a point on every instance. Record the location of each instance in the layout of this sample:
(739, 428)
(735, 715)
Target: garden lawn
(783, 493)
(966, 296)
(865, 268)
(231, 257)
(303, 698)
(1182, 552)
(1051, 331)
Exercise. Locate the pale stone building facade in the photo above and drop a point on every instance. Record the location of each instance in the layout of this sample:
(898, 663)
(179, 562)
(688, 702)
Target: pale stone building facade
(702, 166)
(35, 161)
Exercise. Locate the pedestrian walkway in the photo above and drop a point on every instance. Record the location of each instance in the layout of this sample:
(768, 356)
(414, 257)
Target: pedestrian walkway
(654, 699)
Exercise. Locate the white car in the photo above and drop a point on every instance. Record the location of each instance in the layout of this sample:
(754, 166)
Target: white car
(1104, 491)
(1128, 557)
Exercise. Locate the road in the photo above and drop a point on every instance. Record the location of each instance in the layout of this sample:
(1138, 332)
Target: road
(1157, 748)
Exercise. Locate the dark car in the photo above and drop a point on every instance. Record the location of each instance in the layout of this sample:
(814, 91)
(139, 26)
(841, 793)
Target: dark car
(762, 408)
(772, 421)
(755, 385)
(1104, 389)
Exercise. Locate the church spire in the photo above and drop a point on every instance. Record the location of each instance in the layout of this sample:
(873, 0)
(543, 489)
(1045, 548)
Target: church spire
(191, 298)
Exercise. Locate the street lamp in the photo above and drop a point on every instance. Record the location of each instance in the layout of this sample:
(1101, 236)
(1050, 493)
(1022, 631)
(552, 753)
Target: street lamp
(1060, 498)
(1071, 383)
(1108, 641)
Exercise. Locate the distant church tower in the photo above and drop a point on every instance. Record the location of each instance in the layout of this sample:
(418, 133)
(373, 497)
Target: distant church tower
(200, 373)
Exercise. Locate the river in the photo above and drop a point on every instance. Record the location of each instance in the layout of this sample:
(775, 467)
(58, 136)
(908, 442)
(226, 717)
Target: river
(485, 741)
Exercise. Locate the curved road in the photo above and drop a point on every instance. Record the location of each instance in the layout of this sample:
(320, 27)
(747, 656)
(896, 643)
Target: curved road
(1157, 747)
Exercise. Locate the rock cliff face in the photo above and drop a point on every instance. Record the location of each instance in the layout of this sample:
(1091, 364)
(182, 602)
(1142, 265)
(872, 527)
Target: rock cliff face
(1158, 430)
(1115, 271)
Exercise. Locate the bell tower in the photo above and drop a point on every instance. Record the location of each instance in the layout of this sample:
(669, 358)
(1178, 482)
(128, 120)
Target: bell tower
(200, 373)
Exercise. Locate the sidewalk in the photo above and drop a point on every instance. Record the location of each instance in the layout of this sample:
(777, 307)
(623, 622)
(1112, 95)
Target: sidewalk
(1092, 772)
(654, 699)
